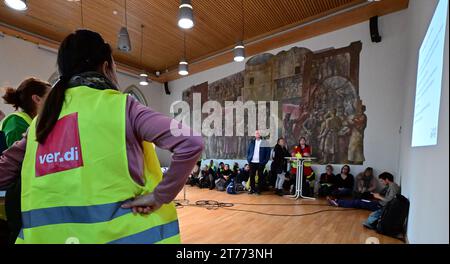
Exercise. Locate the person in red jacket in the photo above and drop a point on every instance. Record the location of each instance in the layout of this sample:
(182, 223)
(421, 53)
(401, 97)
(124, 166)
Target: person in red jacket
(308, 174)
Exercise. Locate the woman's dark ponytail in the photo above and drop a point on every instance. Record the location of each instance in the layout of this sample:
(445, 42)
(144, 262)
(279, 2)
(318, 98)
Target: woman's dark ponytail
(81, 51)
(51, 110)
(12, 97)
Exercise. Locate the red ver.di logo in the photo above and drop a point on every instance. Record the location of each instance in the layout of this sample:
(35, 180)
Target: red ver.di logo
(62, 149)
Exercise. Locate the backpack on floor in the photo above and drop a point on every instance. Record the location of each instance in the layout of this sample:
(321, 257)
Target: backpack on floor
(231, 188)
(393, 217)
(220, 185)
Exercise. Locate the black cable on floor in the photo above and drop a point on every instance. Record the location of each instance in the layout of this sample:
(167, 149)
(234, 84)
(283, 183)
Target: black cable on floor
(294, 215)
(215, 205)
(309, 204)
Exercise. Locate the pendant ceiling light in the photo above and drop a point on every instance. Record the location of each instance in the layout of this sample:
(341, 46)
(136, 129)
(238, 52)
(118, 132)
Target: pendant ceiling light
(186, 15)
(143, 76)
(239, 49)
(183, 67)
(124, 43)
(19, 5)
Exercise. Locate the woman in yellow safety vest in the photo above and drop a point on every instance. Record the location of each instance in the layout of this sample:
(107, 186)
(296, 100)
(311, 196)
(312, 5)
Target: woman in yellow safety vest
(88, 165)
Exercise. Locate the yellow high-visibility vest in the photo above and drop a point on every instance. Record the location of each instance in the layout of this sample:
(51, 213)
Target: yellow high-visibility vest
(73, 186)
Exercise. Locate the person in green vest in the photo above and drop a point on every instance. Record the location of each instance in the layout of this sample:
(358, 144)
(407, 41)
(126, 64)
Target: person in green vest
(89, 169)
(27, 100)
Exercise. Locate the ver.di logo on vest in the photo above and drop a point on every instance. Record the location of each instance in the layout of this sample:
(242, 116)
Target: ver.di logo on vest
(62, 149)
(70, 155)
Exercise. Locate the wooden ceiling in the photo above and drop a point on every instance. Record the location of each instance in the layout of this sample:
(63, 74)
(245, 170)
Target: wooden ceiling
(218, 24)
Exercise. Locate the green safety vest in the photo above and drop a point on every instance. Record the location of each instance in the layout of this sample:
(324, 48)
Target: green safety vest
(22, 115)
(73, 186)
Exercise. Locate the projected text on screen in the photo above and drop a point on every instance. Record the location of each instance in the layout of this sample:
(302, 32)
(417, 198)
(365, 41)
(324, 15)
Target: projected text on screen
(429, 80)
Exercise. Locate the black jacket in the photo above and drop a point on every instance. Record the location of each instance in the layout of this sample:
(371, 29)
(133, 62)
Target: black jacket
(279, 163)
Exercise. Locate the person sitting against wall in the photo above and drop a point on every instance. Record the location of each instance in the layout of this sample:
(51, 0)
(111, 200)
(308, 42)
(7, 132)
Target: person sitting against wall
(235, 169)
(195, 174)
(206, 179)
(365, 184)
(223, 178)
(344, 183)
(389, 192)
(327, 181)
(279, 164)
(220, 168)
(244, 175)
(212, 168)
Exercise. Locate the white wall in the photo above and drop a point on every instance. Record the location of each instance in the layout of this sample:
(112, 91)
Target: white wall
(20, 59)
(425, 170)
(381, 84)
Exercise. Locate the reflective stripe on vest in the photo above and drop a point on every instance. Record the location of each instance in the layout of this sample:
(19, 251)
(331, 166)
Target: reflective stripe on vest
(74, 184)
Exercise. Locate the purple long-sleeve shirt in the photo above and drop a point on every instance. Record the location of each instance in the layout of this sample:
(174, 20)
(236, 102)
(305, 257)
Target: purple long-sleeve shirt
(142, 124)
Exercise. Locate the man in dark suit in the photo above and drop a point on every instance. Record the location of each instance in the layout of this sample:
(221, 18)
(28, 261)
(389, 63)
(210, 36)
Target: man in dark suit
(258, 154)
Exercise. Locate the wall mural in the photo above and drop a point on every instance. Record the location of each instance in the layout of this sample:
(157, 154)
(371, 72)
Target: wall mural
(318, 95)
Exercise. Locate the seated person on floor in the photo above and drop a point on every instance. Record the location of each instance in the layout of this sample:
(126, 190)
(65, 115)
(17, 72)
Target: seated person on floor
(365, 184)
(212, 166)
(327, 181)
(206, 179)
(244, 175)
(344, 183)
(223, 178)
(381, 199)
(195, 174)
(221, 168)
(235, 169)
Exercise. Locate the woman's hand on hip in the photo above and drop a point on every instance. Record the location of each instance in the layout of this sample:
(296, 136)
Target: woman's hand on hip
(144, 204)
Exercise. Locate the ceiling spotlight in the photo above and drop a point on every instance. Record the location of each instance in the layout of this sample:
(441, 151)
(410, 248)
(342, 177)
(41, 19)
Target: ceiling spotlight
(239, 52)
(183, 68)
(19, 5)
(186, 15)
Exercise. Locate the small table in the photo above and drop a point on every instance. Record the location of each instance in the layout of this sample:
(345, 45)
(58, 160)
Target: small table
(299, 183)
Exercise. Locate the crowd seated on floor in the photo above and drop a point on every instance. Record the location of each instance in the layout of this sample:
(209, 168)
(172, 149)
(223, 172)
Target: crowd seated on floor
(340, 190)
(218, 175)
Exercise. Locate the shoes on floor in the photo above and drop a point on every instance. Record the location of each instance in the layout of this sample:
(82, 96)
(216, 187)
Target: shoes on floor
(332, 202)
